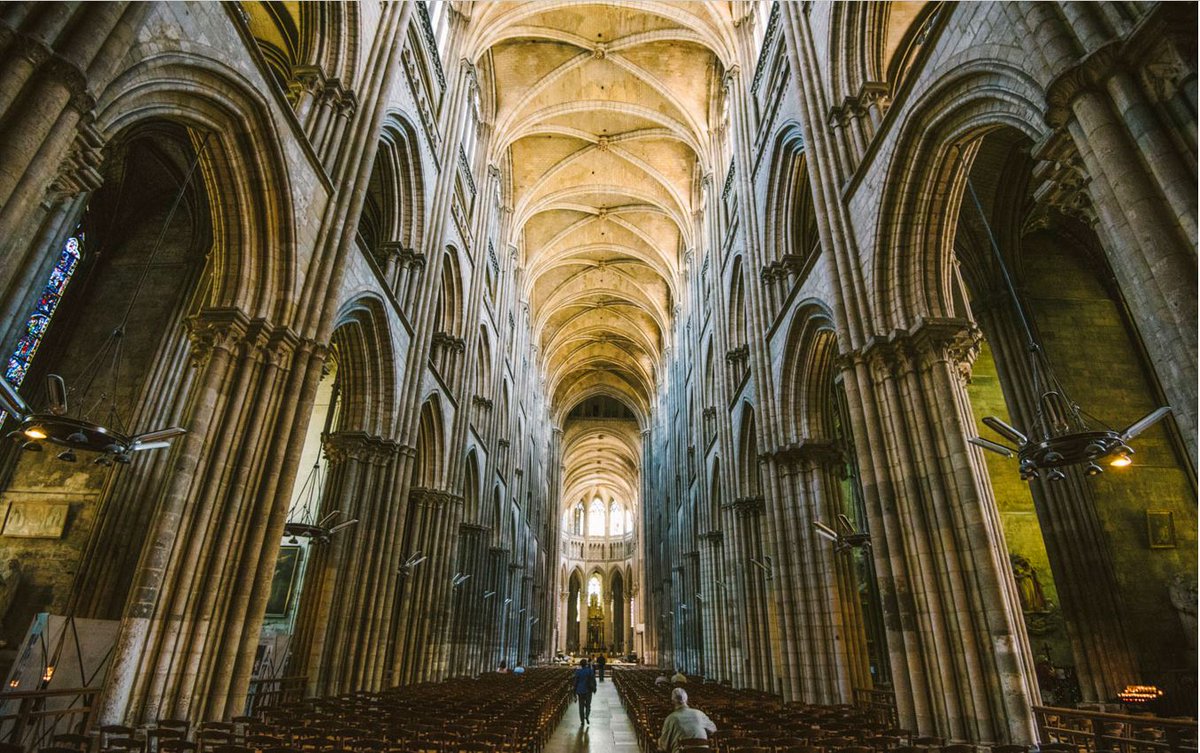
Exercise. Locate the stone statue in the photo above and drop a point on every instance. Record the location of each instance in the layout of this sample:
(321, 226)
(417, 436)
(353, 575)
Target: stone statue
(9, 583)
(1029, 588)
(1183, 597)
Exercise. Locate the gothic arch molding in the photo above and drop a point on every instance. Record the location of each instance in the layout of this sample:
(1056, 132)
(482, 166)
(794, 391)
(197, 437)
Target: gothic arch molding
(256, 262)
(911, 273)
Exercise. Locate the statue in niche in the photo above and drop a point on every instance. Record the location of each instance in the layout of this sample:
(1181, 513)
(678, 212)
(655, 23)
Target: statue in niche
(1182, 592)
(1029, 588)
(9, 583)
(1041, 616)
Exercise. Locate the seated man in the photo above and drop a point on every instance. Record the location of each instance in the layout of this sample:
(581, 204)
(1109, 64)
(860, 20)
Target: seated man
(683, 723)
(678, 677)
(662, 680)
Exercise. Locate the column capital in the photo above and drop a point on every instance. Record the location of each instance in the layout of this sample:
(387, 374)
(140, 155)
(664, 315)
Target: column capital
(216, 329)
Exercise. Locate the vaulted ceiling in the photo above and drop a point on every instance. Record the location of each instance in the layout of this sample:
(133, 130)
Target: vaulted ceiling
(603, 111)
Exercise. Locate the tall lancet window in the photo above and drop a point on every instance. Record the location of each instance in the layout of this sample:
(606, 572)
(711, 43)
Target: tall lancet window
(577, 524)
(596, 518)
(616, 521)
(43, 311)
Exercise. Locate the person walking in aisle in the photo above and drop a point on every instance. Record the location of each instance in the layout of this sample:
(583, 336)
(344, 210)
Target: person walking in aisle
(600, 663)
(585, 685)
(684, 723)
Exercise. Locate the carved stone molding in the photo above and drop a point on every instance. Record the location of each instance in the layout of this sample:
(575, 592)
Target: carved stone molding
(713, 538)
(433, 498)
(80, 171)
(216, 329)
(953, 340)
(445, 341)
(1088, 74)
(738, 355)
(749, 506)
(1061, 182)
(481, 402)
(360, 446)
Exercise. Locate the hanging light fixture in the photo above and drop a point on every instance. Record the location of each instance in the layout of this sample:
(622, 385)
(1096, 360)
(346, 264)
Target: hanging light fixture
(302, 517)
(1062, 433)
(91, 421)
(846, 537)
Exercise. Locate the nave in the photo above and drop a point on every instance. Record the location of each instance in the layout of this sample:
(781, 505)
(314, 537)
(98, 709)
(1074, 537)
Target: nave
(838, 355)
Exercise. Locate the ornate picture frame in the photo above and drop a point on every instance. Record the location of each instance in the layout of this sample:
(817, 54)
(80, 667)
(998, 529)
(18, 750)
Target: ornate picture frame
(283, 584)
(1160, 529)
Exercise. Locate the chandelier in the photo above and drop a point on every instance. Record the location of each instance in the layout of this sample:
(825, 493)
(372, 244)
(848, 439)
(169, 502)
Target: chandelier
(845, 537)
(1062, 433)
(302, 517)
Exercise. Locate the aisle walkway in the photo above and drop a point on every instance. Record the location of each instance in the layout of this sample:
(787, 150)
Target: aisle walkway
(611, 731)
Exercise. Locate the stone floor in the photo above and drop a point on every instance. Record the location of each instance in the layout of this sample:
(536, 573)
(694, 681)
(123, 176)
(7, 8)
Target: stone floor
(611, 730)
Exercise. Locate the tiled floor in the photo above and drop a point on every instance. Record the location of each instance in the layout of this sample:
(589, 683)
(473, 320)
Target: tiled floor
(611, 731)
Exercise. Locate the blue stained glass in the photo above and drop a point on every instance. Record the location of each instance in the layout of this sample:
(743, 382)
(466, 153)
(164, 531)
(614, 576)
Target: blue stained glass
(39, 320)
(37, 325)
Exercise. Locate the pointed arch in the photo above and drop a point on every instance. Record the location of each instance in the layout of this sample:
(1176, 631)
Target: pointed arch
(393, 210)
(429, 462)
(254, 243)
(715, 499)
(736, 332)
(366, 378)
(472, 507)
(791, 220)
(807, 373)
(449, 312)
(748, 467)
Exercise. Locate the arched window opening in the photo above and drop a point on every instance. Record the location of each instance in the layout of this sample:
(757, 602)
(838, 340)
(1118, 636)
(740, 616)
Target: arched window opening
(594, 588)
(596, 518)
(577, 525)
(616, 521)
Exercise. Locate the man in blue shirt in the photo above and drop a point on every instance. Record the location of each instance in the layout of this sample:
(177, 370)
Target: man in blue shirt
(585, 685)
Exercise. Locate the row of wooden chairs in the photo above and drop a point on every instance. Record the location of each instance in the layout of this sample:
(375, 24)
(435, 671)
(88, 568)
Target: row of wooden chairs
(756, 722)
(491, 714)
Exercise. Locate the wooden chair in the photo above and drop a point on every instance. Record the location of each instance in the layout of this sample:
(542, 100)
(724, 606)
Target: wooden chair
(71, 740)
(111, 731)
(124, 743)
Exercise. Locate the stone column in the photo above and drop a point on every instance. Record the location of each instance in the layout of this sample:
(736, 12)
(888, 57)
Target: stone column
(359, 567)
(201, 585)
(960, 658)
(47, 94)
(813, 590)
(1076, 544)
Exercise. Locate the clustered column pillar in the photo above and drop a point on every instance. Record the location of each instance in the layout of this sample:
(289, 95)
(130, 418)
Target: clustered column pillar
(351, 580)
(959, 654)
(201, 585)
(811, 586)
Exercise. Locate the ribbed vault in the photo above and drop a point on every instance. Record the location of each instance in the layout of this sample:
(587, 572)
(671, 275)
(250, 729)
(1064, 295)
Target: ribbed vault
(602, 114)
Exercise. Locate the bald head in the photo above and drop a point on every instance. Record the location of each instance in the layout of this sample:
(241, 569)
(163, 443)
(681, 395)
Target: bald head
(679, 697)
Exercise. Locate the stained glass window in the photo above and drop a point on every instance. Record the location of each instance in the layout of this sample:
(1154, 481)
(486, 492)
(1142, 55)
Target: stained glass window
(47, 303)
(596, 518)
(616, 520)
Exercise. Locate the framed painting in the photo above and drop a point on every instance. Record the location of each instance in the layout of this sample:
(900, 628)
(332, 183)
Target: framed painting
(283, 584)
(1160, 529)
